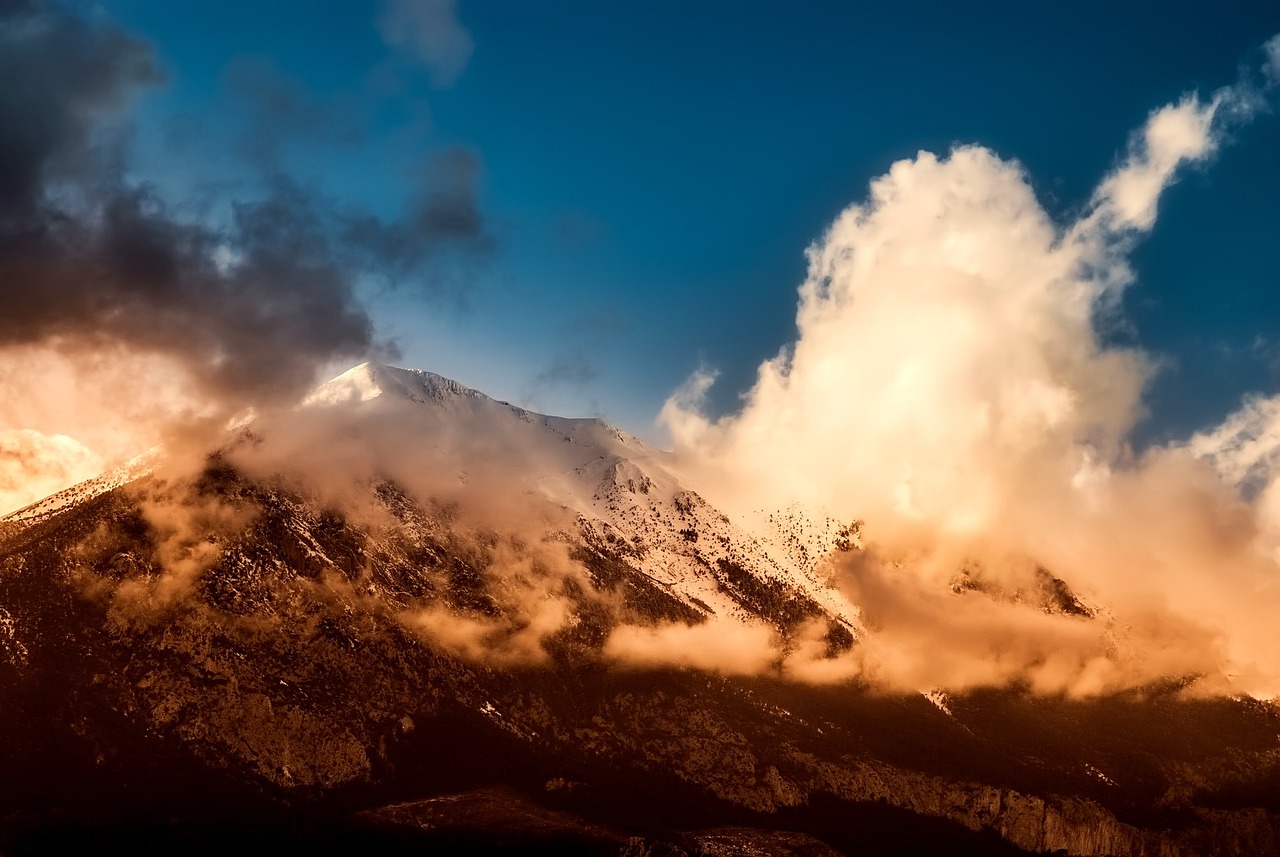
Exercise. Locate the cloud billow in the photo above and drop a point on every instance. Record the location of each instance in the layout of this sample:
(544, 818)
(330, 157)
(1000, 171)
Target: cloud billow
(951, 385)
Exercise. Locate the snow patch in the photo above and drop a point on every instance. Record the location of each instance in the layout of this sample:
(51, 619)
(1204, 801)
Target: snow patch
(1097, 774)
(940, 700)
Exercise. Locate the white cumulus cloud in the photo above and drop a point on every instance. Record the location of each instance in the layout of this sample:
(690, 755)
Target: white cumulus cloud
(951, 384)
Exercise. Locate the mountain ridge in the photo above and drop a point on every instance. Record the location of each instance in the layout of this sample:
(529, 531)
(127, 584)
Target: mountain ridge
(614, 482)
(380, 608)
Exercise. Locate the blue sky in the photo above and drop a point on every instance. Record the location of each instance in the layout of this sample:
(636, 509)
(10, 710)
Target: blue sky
(651, 173)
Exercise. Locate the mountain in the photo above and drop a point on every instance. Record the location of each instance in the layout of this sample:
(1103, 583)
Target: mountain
(625, 496)
(405, 615)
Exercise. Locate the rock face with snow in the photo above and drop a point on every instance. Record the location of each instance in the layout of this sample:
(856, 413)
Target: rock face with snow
(385, 618)
(623, 493)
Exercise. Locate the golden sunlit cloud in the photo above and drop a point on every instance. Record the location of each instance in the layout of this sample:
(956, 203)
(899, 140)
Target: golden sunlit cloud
(94, 408)
(950, 384)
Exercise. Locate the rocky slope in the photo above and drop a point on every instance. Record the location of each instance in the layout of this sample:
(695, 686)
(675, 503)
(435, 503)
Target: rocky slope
(411, 648)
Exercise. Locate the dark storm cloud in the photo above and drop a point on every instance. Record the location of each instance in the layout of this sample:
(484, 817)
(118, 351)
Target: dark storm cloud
(442, 224)
(86, 256)
(252, 307)
(438, 237)
(254, 327)
(278, 110)
(59, 78)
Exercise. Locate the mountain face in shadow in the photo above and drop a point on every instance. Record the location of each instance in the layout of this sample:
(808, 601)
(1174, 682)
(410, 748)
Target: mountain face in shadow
(390, 619)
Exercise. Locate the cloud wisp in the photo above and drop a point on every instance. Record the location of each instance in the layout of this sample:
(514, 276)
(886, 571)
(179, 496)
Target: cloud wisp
(431, 31)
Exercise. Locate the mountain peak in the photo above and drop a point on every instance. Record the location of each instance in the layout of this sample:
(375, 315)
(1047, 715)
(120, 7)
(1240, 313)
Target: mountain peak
(372, 380)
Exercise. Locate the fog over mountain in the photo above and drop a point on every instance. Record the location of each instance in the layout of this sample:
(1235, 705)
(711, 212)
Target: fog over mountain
(406, 613)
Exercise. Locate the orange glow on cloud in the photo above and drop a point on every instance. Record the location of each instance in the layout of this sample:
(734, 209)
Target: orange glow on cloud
(949, 385)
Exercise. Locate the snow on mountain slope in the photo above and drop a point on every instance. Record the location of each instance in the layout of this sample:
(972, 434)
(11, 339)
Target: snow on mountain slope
(623, 491)
(625, 497)
(134, 468)
(240, 631)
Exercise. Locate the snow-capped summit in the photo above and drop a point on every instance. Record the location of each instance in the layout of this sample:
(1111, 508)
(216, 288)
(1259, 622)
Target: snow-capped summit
(392, 386)
(372, 380)
(624, 492)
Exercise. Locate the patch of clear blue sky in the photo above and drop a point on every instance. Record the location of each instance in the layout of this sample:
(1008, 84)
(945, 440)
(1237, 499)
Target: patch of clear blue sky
(654, 170)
